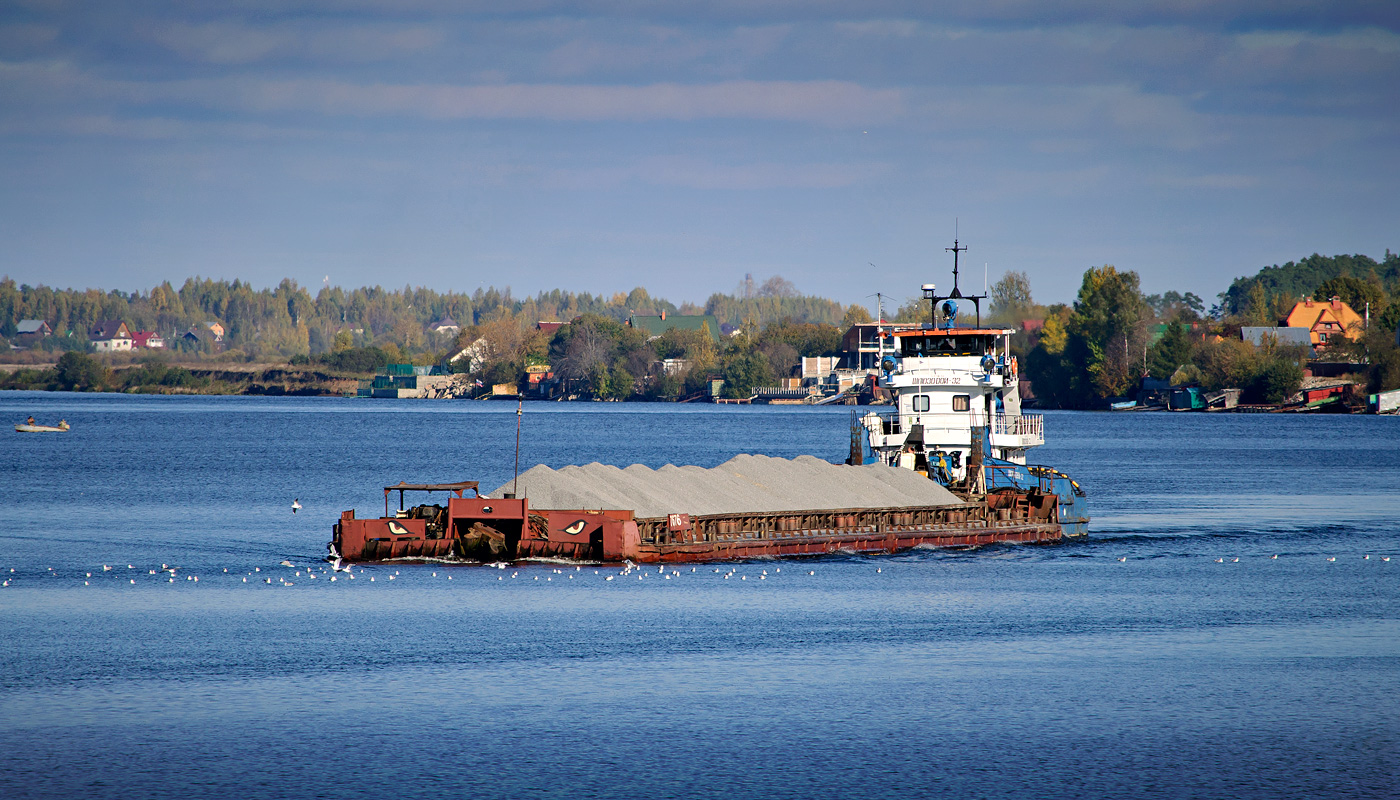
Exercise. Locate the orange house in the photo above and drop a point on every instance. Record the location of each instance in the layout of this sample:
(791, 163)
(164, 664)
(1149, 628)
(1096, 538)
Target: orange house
(1326, 321)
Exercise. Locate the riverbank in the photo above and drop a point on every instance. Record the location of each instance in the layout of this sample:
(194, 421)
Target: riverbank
(184, 377)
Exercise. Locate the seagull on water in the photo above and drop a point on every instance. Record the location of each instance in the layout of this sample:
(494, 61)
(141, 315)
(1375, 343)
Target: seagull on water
(296, 505)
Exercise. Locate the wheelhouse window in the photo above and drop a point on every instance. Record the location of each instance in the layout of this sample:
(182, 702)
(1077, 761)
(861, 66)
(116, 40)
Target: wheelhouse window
(943, 345)
(920, 402)
(960, 402)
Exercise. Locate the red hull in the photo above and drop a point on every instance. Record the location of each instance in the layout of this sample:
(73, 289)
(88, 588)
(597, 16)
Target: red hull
(480, 529)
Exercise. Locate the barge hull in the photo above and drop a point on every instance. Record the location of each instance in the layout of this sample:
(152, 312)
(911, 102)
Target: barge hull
(485, 530)
(870, 543)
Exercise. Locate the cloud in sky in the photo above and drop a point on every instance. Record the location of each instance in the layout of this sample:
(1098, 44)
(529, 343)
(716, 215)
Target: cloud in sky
(601, 145)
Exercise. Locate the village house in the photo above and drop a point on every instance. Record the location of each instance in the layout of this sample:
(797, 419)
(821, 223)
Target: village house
(147, 340)
(205, 339)
(861, 347)
(671, 366)
(1325, 321)
(472, 357)
(446, 326)
(30, 332)
(110, 336)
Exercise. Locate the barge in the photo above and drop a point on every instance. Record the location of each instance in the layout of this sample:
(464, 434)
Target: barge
(579, 513)
(947, 467)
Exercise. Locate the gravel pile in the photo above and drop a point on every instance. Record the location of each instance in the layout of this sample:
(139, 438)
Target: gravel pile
(743, 484)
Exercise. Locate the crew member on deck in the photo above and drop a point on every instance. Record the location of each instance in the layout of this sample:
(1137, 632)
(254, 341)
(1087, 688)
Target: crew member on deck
(906, 457)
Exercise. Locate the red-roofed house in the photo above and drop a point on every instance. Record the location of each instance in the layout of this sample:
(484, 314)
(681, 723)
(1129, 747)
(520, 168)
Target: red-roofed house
(149, 340)
(1325, 320)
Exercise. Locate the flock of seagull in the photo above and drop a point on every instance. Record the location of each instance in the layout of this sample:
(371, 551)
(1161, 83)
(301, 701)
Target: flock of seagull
(629, 568)
(337, 569)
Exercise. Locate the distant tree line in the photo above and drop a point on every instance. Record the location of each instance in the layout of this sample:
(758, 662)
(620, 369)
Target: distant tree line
(286, 321)
(1099, 347)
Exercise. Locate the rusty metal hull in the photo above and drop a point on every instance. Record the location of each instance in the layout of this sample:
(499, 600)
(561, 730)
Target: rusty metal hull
(826, 544)
(482, 530)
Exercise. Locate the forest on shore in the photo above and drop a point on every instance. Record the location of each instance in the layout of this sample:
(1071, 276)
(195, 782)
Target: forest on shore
(1099, 347)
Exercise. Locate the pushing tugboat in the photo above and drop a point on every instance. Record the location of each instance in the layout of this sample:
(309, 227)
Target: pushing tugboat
(946, 468)
(958, 413)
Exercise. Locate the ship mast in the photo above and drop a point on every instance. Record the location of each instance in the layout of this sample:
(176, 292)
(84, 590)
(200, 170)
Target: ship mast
(956, 293)
(955, 250)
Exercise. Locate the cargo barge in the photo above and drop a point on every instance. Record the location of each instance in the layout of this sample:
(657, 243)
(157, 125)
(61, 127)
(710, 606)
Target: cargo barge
(498, 527)
(946, 468)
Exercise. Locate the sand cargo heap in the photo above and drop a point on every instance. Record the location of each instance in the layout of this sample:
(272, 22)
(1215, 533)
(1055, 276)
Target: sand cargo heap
(742, 485)
(747, 507)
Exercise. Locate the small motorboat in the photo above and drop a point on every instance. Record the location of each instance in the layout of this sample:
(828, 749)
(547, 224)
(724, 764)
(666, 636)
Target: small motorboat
(30, 427)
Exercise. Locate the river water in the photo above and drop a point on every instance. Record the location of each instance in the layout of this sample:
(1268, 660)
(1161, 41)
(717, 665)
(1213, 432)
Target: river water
(1142, 661)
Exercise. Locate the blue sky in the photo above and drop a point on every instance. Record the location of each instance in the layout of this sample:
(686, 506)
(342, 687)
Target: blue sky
(597, 146)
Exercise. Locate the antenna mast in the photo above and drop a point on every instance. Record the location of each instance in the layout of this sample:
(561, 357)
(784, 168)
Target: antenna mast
(955, 250)
(956, 293)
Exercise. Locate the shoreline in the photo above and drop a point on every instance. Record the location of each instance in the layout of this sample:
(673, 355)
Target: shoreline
(264, 378)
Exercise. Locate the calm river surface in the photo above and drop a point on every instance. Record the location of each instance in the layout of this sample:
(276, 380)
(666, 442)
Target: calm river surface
(1009, 671)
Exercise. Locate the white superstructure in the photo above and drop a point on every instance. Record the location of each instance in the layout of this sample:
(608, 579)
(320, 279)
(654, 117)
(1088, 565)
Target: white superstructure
(956, 397)
(953, 388)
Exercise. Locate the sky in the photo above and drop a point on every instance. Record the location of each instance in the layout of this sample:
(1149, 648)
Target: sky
(678, 146)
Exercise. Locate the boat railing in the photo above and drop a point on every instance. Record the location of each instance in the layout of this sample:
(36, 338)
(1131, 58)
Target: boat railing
(890, 423)
(1032, 425)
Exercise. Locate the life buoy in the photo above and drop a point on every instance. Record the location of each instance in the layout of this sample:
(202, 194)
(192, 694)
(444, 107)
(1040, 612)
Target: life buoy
(1014, 370)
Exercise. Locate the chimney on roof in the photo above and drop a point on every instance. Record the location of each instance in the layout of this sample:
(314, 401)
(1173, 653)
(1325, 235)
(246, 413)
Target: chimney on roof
(1307, 302)
(1336, 302)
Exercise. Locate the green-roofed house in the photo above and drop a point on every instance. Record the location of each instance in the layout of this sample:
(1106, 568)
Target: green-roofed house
(655, 326)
